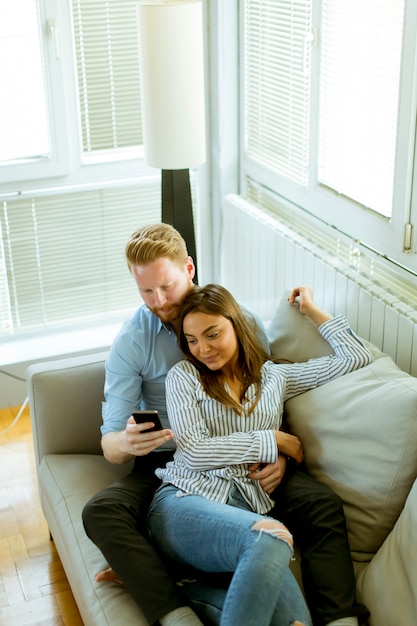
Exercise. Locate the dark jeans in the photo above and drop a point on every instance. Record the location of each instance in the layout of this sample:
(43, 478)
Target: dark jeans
(314, 514)
(115, 520)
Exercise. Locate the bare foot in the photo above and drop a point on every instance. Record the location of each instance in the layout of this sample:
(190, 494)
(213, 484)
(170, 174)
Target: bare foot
(107, 574)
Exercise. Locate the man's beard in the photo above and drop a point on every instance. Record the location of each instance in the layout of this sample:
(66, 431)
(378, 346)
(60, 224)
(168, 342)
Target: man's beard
(169, 316)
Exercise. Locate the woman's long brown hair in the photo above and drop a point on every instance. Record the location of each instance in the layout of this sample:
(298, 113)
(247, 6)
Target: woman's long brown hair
(216, 300)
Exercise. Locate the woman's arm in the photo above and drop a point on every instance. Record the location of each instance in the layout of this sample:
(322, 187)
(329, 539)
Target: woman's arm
(349, 352)
(304, 297)
(209, 435)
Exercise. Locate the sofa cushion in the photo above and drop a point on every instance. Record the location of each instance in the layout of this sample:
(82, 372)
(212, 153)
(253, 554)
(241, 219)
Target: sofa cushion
(386, 584)
(293, 336)
(66, 483)
(359, 434)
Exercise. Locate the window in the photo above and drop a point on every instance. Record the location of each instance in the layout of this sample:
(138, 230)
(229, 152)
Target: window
(72, 192)
(328, 99)
(24, 132)
(359, 88)
(61, 268)
(105, 36)
(277, 86)
(34, 143)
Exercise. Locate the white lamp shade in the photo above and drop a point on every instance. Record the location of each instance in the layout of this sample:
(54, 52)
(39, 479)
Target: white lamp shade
(172, 83)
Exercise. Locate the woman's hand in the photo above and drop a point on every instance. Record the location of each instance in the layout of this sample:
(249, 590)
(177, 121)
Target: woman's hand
(289, 445)
(304, 296)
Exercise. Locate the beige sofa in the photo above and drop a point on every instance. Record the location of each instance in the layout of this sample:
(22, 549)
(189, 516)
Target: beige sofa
(359, 434)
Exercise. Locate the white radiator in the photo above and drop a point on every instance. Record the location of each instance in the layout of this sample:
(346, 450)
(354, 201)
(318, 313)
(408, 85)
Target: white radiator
(262, 257)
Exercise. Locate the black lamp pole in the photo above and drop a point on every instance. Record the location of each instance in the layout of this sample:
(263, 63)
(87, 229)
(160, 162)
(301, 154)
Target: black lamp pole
(177, 208)
(171, 59)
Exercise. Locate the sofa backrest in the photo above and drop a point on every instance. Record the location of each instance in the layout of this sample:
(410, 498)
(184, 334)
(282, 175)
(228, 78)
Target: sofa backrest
(65, 399)
(359, 431)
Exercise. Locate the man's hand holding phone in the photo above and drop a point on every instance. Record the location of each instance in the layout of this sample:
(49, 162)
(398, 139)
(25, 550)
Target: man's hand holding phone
(150, 418)
(144, 432)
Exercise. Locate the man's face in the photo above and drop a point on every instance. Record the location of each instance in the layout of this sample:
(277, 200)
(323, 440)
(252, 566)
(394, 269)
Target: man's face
(163, 286)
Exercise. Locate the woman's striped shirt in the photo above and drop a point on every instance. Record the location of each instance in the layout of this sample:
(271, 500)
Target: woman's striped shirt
(215, 445)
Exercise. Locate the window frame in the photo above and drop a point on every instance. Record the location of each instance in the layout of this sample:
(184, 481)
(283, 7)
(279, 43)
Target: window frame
(57, 64)
(379, 234)
(102, 170)
(68, 165)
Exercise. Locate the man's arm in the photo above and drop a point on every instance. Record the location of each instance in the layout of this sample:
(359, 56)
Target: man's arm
(120, 447)
(123, 439)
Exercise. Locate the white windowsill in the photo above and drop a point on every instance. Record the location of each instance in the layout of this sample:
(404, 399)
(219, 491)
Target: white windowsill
(58, 344)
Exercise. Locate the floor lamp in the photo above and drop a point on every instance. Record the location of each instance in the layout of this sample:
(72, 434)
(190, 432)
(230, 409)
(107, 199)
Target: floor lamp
(172, 92)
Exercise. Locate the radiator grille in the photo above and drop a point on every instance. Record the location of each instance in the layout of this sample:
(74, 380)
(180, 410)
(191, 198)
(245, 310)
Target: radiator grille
(261, 257)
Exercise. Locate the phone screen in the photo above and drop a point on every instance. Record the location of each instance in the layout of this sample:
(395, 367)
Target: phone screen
(148, 416)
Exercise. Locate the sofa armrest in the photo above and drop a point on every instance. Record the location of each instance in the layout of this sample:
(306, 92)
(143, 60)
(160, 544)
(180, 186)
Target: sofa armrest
(65, 399)
(387, 586)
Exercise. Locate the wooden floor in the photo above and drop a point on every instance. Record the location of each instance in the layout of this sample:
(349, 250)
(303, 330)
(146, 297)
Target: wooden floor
(33, 587)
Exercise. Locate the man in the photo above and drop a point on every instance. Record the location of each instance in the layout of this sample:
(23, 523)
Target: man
(115, 519)
(139, 359)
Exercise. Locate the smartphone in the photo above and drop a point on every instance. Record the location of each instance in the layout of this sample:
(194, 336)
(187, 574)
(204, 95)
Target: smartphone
(148, 416)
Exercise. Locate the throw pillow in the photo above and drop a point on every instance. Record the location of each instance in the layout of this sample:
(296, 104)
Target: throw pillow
(359, 432)
(293, 336)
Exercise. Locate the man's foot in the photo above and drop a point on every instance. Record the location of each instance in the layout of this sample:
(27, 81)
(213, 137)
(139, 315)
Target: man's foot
(107, 574)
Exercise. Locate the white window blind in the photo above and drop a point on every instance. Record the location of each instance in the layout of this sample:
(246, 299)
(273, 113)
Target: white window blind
(105, 35)
(359, 87)
(24, 132)
(277, 85)
(62, 256)
(62, 260)
(62, 248)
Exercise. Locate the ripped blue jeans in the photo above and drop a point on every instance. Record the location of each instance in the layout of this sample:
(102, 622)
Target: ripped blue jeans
(215, 537)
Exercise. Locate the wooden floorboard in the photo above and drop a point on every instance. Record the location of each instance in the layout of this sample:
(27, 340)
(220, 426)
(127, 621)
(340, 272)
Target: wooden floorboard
(34, 589)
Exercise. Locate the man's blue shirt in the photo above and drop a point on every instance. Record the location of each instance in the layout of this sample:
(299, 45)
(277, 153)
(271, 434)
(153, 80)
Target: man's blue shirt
(140, 357)
(136, 367)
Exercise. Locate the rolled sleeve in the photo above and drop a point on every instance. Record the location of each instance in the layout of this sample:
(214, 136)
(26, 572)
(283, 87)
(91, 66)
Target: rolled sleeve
(268, 450)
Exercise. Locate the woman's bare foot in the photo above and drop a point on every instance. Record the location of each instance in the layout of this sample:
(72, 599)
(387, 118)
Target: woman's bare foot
(107, 574)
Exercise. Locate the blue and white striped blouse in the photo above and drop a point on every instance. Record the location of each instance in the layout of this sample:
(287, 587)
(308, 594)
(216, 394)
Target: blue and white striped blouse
(215, 446)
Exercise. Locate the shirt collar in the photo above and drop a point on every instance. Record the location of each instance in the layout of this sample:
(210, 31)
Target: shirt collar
(161, 325)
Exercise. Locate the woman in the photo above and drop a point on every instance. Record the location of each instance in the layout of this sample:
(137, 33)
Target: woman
(225, 405)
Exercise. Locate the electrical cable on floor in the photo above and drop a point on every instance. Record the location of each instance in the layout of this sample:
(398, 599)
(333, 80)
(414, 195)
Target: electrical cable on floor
(22, 408)
(16, 419)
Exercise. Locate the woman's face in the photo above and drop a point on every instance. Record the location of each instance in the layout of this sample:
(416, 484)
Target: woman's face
(211, 339)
